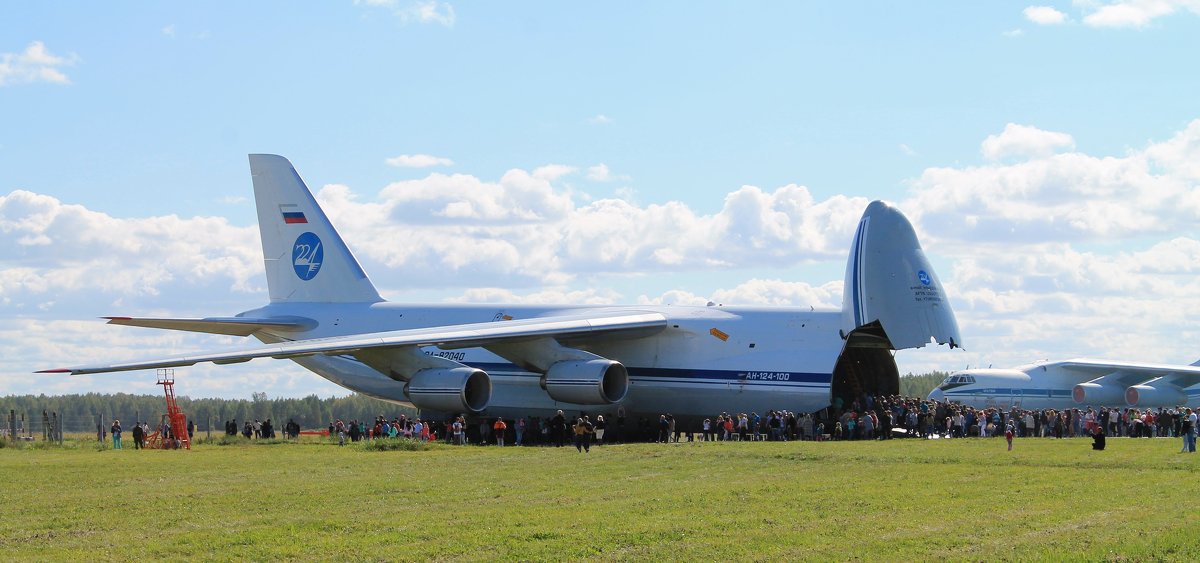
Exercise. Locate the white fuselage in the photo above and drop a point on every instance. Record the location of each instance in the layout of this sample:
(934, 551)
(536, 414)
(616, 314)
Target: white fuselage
(707, 361)
(1036, 386)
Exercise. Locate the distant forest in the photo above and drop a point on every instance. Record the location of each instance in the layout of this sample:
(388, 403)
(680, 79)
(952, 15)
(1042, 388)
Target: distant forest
(80, 413)
(920, 385)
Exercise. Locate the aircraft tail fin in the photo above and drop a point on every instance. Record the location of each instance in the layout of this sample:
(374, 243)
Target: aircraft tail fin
(305, 258)
(891, 286)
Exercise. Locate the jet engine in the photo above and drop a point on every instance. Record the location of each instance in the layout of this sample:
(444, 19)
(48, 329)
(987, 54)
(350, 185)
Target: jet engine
(586, 382)
(1097, 394)
(1159, 395)
(450, 389)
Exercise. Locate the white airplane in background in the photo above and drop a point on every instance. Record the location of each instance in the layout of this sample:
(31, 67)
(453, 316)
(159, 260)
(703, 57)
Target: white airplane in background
(510, 361)
(1073, 384)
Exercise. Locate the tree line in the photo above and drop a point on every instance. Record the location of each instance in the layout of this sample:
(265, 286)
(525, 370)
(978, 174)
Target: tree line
(920, 385)
(80, 413)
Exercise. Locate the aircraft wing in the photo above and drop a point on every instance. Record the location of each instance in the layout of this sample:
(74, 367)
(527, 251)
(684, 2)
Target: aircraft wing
(1129, 373)
(616, 324)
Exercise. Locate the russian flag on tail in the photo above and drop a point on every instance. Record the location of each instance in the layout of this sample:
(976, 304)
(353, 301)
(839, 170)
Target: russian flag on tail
(292, 214)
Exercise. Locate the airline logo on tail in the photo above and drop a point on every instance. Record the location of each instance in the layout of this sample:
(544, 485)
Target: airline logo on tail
(307, 255)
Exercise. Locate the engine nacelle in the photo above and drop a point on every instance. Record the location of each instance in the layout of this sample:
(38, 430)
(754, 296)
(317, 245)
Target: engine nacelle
(1160, 395)
(1097, 394)
(450, 390)
(586, 382)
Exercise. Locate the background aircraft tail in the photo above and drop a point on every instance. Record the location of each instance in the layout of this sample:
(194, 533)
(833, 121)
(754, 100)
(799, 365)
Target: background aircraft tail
(305, 258)
(891, 287)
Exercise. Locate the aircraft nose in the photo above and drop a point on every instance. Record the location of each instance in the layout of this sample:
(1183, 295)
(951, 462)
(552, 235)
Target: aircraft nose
(936, 395)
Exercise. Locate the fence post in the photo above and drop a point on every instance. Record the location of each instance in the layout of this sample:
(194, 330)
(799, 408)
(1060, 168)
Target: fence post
(12, 425)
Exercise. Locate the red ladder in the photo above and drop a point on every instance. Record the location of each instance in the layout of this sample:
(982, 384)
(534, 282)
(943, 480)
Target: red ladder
(178, 421)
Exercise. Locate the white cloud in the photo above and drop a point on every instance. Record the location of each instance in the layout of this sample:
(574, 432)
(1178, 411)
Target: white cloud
(422, 11)
(780, 292)
(418, 161)
(602, 173)
(1017, 32)
(1065, 197)
(526, 229)
(552, 172)
(47, 247)
(432, 12)
(34, 64)
(1024, 141)
(1137, 13)
(169, 30)
(1178, 157)
(1116, 14)
(627, 194)
(1044, 15)
(599, 173)
(599, 119)
(1065, 255)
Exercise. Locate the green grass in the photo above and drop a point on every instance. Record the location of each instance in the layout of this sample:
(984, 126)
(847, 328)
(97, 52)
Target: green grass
(917, 500)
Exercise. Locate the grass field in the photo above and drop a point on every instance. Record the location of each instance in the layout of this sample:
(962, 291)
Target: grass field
(898, 500)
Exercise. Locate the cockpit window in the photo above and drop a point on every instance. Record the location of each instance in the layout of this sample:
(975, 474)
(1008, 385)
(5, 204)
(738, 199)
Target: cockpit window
(957, 380)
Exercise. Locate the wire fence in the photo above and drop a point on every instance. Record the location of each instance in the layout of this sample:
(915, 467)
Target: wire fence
(23, 427)
(49, 426)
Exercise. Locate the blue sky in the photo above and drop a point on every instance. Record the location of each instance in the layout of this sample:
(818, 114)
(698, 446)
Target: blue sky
(1043, 151)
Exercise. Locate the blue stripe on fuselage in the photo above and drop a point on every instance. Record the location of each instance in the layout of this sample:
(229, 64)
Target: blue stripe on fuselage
(1002, 392)
(681, 375)
(695, 375)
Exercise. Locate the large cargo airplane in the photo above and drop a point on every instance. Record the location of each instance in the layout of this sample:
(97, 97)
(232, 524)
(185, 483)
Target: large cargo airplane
(1073, 384)
(523, 360)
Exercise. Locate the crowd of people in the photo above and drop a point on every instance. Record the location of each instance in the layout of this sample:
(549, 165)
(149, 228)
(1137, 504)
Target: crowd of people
(398, 427)
(862, 418)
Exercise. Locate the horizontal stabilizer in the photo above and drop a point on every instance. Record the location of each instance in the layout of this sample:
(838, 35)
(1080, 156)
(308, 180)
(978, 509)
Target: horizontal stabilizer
(231, 326)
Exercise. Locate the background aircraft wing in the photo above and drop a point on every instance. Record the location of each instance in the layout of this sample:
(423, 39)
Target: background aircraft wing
(608, 325)
(1130, 373)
